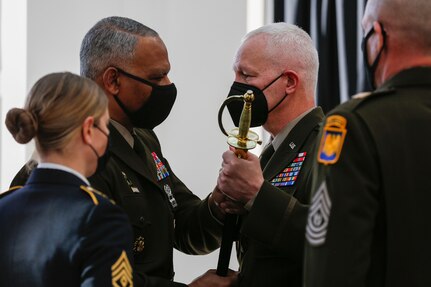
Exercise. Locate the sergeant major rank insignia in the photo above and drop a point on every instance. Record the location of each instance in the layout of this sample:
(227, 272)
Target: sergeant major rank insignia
(332, 140)
(122, 272)
(318, 216)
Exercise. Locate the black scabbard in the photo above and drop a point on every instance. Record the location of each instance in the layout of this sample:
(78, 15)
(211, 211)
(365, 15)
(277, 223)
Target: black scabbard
(230, 230)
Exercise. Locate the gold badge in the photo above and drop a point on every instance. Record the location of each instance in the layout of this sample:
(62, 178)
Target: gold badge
(122, 272)
(332, 140)
(138, 246)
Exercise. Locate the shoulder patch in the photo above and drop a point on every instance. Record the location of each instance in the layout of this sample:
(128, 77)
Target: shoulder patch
(91, 192)
(122, 275)
(10, 190)
(332, 139)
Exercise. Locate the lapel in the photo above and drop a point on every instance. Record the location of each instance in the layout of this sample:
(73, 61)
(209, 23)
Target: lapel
(284, 155)
(125, 153)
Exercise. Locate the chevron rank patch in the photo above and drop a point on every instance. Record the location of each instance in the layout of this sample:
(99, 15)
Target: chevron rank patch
(162, 171)
(122, 272)
(332, 140)
(289, 175)
(318, 216)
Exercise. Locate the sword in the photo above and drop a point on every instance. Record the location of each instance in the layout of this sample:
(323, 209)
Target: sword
(242, 139)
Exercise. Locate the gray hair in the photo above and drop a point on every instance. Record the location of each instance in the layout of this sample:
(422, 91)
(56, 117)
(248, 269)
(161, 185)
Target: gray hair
(408, 20)
(111, 42)
(290, 46)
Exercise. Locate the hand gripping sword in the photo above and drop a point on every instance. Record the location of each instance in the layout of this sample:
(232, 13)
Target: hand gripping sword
(242, 139)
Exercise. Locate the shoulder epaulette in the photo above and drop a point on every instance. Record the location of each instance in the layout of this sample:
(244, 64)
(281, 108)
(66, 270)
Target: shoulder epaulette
(365, 97)
(361, 95)
(360, 98)
(91, 192)
(10, 190)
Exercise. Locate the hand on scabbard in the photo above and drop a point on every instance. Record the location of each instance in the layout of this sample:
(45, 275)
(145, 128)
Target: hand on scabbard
(222, 205)
(240, 179)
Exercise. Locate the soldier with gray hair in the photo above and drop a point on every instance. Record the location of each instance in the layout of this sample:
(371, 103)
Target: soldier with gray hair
(130, 62)
(368, 223)
(279, 63)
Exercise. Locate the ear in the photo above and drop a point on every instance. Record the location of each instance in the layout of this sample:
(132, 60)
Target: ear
(292, 81)
(111, 80)
(87, 130)
(378, 29)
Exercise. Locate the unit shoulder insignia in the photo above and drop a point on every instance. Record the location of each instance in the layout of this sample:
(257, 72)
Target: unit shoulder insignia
(122, 272)
(332, 139)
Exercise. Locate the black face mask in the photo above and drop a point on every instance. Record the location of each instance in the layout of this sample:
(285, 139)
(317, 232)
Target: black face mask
(259, 107)
(157, 107)
(371, 69)
(103, 159)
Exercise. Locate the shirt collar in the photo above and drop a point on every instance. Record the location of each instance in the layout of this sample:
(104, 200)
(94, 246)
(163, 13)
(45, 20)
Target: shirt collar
(281, 136)
(124, 132)
(51, 165)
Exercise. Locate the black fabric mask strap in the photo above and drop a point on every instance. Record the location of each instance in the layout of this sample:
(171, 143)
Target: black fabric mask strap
(376, 61)
(94, 150)
(272, 82)
(122, 106)
(273, 108)
(136, 78)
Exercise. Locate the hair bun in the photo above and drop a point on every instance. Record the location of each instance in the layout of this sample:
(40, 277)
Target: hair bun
(21, 124)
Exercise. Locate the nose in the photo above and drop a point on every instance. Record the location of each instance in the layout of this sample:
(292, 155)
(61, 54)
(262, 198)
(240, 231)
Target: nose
(165, 81)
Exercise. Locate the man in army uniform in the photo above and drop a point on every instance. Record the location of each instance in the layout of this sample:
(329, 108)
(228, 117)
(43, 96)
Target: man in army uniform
(368, 224)
(279, 63)
(130, 62)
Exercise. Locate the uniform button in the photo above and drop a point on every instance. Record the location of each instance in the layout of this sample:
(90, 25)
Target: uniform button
(142, 219)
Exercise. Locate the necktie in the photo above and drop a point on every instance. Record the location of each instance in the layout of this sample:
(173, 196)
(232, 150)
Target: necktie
(138, 146)
(266, 155)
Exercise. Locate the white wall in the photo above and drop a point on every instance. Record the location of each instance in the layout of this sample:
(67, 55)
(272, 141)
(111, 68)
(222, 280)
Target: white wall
(44, 36)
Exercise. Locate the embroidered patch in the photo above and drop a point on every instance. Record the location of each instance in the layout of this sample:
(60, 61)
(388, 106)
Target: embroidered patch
(289, 175)
(122, 272)
(318, 216)
(332, 140)
(162, 171)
